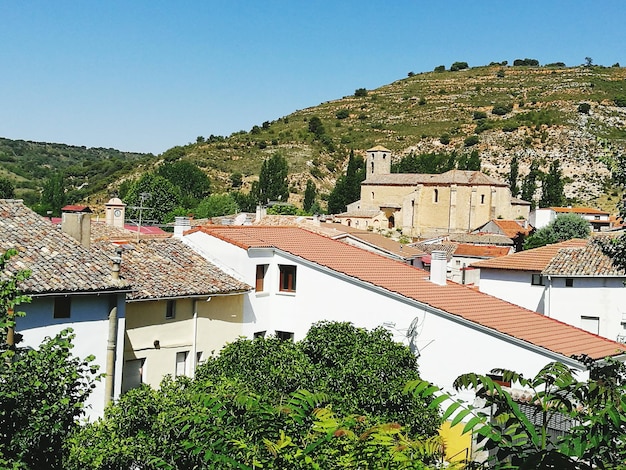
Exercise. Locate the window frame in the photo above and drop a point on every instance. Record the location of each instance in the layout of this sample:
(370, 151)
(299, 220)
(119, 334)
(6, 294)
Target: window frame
(537, 279)
(569, 282)
(284, 335)
(170, 309)
(287, 278)
(62, 307)
(260, 277)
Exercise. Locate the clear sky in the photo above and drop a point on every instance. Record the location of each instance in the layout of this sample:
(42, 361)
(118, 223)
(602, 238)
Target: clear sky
(146, 75)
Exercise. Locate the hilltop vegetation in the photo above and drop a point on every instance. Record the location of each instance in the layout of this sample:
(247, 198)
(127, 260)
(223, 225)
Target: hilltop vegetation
(534, 113)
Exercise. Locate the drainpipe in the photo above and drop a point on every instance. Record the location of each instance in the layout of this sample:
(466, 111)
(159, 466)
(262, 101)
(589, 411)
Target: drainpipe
(548, 295)
(194, 342)
(110, 366)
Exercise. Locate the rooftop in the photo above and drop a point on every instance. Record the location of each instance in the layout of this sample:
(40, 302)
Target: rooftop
(455, 299)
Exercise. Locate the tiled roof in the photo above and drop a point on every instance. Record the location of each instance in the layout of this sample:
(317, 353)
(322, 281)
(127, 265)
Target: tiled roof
(511, 228)
(59, 264)
(588, 260)
(383, 243)
(481, 251)
(460, 177)
(579, 210)
(412, 283)
(448, 247)
(165, 268)
(481, 238)
(378, 148)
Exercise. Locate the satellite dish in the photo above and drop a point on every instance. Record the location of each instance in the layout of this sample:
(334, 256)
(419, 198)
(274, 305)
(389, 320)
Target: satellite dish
(412, 332)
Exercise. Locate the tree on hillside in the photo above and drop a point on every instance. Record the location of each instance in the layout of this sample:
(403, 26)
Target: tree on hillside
(53, 196)
(429, 163)
(7, 189)
(273, 185)
(316, 127)
(553, 187)
(156, 194)
(348, 186)
(42, 390)
(513, 175)
(309, 195)
(193, 183)
(216, 205)
(564, 227)
(529, 184)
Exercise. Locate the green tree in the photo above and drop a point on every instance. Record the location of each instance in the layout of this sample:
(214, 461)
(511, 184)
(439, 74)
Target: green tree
(360, 92)
(316, 127)
(458, 66)
(513, 175)
(348, 187)
(42, 391)
(309, 195)
(553, 187)
(272, 185)
(53, 196)
(529, 184)
(193, 183)
(156, 194)
(564, 227)
(216, 205)
(7, 189)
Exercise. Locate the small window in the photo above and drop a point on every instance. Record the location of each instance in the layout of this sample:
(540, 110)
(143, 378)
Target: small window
(62, 307)
(261, 269)
(287, 278)
(133, 374)
(482, 198)
(259, 334)
(284, 335)
(436, 196)
(170, 310)
(198, 357)
(181, 363)
(537, 280)
(569, 282)
(372, 167)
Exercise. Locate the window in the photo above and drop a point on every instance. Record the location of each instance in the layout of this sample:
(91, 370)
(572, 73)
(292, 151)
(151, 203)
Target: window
(132, 374)
(569, 282)
(537, 280)
(436, 196)
(284, 335)
(261, 269)
(62, 307)
(170, 310)
(482, 198)
(181, 363)
(372, 167)
(590, 324)
(259, 334)
(287, 278)
(198, 357)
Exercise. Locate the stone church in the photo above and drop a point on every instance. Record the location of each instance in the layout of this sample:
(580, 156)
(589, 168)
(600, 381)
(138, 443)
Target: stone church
(424, 205)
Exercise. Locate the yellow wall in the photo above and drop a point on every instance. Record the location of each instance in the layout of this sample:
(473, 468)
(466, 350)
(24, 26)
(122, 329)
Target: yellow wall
(219, 321)
(455, 442)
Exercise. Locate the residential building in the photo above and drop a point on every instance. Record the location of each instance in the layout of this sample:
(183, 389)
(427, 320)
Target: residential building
(71, 286)
(301, 278)
(428, 204)
(598, 220)
(572, 281)
(515, 230)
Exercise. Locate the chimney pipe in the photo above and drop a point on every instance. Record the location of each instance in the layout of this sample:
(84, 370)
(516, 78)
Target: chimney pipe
(438, 267)
(117, 261)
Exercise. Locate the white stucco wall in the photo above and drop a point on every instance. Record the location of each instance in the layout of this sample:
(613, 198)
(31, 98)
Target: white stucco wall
(514, 287)
(89, 320)
(447, 347)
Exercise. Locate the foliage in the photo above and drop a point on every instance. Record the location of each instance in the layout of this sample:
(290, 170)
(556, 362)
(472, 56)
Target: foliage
(342, 114)
(216, 205)
(440, 68)
(553, 187)
(316, 127)
(160, 198)
(309, 195)
(529, 183)
(42, 391)
(360, 92)
(584, 108)
(429, 163)
(273, 180)
(470, 140)
(348, 186)
(526, 62)
(192, 182)
(513, 175)
(283, 209)
(444, 139)
(53, 196)
(246, 202)
(479, 115)
(458, 66)
(564, 227)
(236, 179)
(518, 434)
(501, 109)
(470, 162)
(7, 189)
(620, 101)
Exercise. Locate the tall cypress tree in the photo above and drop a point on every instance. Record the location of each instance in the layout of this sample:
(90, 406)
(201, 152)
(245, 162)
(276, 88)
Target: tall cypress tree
(553, 194)
(513, 175)
(273, 184)
(348, 186)
(529, 185)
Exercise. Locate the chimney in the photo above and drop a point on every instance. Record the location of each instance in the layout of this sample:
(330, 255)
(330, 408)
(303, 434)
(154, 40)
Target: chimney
(181, 225)
(261, 212)
(117, 261)
(438, 267)
(77, 224)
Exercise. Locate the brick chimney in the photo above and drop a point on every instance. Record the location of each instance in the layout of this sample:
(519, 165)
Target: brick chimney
(438, 267)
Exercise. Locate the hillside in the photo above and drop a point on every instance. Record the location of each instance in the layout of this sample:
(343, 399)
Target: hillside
(434, 112)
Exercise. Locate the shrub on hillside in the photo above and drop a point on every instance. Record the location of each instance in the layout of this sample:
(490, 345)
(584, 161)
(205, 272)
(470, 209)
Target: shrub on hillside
(440, 68)
(502, 109)
(458, 66)
(584, 108)
(471, 140)
(360, 92)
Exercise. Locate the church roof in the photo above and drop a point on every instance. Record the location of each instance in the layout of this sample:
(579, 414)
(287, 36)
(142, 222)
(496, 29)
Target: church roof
(378, 148)
(459, 177)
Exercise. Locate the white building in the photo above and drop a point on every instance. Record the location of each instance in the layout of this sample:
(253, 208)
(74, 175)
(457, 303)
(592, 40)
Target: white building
(301, 278)
(598, 220)
(572, 281)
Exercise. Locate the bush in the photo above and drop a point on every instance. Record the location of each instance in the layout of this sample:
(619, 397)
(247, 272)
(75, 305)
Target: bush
(479, 115)
(342, 114)
(526, 62)
(620, 101)
(502, 109)
(510, 127)
(422, 101)
(440, 68)
(500, 73)
(360, 92)
(458, 66)
(584, 108)
(483, 125)
(444, 139)
(471, 140)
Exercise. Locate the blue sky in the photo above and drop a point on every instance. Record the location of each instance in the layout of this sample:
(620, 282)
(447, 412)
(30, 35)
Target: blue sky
(148, 75)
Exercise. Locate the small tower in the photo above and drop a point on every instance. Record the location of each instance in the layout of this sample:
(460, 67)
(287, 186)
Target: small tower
(114, 212)
(378, 161)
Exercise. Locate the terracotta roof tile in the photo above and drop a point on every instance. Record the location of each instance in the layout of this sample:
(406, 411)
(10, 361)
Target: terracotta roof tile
(59, 264)
(482, 251)
(579, 210)
(511, 228)
(587, 260)
(413, 283)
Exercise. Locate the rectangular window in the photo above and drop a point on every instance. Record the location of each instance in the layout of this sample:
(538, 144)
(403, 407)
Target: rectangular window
(198, 358)
(181, 363)
(287, 278)
(62, 307)
(590, 324)
(284, 335)
(133, 374)
(569, 282)
(259, 334)
(261, 269)
(537, 280)
(170, 311)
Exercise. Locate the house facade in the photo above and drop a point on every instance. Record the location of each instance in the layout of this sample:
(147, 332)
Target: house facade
(598, 220)
(573, 282)
(301, 278)
(425, 204)
(71, 286)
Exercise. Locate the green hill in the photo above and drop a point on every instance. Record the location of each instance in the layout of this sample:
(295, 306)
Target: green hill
(574, 114)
